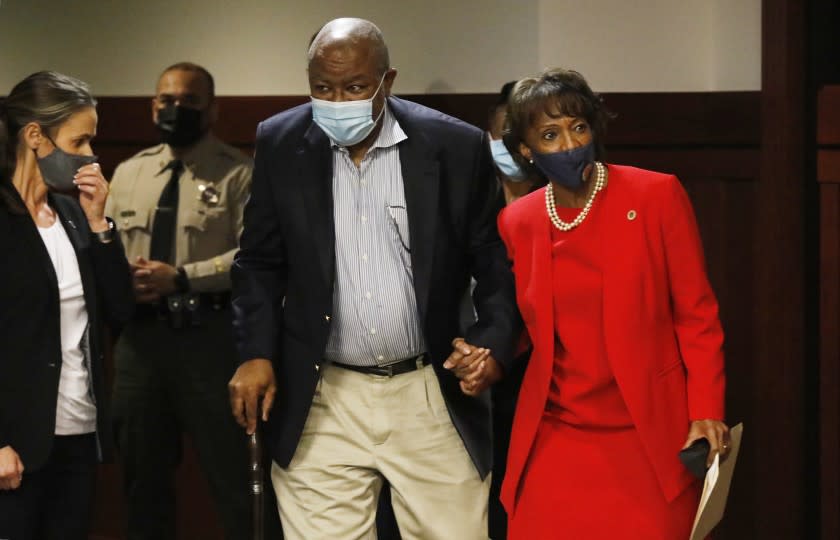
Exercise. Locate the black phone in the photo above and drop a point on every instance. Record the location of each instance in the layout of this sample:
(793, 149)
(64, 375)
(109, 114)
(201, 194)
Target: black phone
(694, 457)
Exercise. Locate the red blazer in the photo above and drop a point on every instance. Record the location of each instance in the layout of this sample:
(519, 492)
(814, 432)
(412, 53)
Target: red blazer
(661, 328)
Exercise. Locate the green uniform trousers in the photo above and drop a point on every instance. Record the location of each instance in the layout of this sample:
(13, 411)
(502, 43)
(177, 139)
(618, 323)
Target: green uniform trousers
(173, 381)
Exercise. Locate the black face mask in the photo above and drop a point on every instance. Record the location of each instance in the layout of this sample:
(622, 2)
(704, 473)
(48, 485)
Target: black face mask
(58, 169)
(179, 126)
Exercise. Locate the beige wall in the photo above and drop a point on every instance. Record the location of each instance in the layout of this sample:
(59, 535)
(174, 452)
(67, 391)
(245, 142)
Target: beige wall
(257, 47)
(655, 45)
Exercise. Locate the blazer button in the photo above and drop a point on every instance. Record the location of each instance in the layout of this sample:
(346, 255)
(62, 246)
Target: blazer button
(326, 317)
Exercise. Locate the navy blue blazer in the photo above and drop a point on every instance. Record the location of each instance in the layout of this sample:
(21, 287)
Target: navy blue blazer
(284, 273)
(30, 331)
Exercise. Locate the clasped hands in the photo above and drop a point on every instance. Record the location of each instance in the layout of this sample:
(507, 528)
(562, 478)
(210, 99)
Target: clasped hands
(474, 366)
(152, 280)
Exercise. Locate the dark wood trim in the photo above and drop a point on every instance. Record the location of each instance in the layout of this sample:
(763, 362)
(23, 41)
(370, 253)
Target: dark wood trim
(685, 125)
(685, 119)
(828, 166)
(829, 356)
(776, 439)
(668, 118)
(828, 134)
(828, 176)
(828, 116)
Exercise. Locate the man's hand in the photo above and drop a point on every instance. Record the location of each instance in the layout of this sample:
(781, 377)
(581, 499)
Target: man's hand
(475, 366)
(11, 469)
(253, 380)
(152, 280)
(715, 432)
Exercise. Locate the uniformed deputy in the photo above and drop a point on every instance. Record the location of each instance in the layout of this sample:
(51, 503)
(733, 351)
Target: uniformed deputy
(179, 207)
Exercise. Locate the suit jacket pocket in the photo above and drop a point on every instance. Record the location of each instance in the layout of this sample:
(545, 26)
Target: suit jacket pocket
(670, 367)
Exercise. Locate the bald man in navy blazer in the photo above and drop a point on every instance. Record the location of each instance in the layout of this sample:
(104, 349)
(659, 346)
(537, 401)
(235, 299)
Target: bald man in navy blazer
(354, 259)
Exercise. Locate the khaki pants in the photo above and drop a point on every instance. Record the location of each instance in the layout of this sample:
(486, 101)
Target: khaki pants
(362, 428)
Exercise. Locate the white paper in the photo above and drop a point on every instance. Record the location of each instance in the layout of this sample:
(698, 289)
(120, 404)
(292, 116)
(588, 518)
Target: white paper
(708, 485)
(716, 488)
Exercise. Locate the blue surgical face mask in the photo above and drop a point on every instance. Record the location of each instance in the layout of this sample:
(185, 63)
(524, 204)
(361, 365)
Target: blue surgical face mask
(566, 167)
(505, 162)
(346, 122)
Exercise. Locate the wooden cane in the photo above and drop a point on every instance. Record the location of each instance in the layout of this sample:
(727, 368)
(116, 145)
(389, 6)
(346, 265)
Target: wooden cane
(256, 484)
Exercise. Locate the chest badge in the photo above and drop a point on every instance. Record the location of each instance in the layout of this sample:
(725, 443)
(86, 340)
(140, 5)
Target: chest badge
(208, 194)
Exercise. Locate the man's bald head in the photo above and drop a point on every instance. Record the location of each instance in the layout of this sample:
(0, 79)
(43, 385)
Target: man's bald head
(353, 33)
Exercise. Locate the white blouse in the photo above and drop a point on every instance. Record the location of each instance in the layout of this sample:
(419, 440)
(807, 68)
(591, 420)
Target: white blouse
(75, 410)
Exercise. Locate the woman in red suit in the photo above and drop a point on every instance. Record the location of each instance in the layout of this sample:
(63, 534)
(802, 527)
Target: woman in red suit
(627, 366)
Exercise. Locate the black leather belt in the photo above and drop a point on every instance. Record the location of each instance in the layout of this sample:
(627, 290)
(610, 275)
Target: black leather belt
(396, 368)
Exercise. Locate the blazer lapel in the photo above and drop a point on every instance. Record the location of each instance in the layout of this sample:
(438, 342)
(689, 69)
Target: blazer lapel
(39, 249)
(622, 295)
(315, 172)
(542, 292)
(421, 181)
(539, 296)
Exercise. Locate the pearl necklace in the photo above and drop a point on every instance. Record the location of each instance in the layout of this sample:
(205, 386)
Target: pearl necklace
(600, 180)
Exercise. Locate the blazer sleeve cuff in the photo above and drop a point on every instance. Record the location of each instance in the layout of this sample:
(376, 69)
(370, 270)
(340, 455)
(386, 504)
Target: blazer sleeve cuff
(705, 411)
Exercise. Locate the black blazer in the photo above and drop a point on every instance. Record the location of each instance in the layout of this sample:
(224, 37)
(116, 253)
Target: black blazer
(283, 275)
(30, 332)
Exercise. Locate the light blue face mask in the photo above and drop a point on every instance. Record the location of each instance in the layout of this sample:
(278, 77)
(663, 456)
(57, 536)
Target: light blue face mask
(504, 161)
(346, 122)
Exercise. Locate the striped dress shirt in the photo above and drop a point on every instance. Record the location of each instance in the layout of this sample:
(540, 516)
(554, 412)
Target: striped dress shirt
(375, 320)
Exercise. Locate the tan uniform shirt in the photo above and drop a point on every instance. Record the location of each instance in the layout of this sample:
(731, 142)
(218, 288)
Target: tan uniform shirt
(213, 189)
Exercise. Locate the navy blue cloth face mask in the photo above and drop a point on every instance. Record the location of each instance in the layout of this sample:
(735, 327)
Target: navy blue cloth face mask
(566, 167)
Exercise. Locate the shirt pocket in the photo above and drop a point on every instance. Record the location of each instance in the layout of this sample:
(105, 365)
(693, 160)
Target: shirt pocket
(204, 219)
(135, 224)
(398, 224)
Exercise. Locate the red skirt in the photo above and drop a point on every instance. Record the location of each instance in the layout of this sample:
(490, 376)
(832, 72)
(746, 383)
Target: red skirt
(591, 484)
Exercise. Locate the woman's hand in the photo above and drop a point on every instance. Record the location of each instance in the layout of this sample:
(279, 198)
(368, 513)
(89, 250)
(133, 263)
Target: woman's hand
(93, 190)
(715, 431)
(11, 469)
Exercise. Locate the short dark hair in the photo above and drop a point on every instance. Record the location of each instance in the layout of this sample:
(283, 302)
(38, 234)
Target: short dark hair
(557, 92)
(504, 93)
(193, 68)
(501, 100)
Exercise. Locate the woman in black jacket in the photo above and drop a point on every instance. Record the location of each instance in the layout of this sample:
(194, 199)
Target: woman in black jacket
(63, 278)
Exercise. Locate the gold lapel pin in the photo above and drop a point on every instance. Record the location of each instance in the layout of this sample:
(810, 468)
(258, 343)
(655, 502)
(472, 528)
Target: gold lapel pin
(631, 215)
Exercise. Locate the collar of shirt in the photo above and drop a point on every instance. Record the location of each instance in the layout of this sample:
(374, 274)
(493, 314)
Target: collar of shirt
(390, 134)
(191, 157)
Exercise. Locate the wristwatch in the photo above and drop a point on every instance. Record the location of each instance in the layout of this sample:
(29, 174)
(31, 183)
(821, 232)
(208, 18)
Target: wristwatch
(107, 236)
